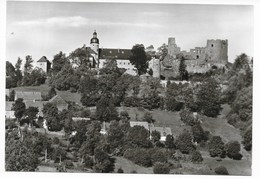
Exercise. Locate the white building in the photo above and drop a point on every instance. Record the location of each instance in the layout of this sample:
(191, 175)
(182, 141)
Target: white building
(43, 64)
(121, 56)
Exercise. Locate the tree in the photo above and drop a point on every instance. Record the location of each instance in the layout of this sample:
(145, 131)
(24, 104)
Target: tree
(18, 71)
(221, 170)
(138, 136)
(248, 139)
(161, 168)
(198, 133)
(51, 93)
(12, 95)
(148, 118)
(103, 162)
(158, 155)
(116, 136)
(11, 80)
(138, 58)
(162, 51)
(50, 113)
(196, 157)
(216, 147)
(59, 60)
(106, 110)
(28, 64)
(233, 149)
(156, 136)
(169, 142)
(19, 108)
(184, 142)
(66, 79)
(182, 70)
(31, 114)
(19, 156)
(209, 98)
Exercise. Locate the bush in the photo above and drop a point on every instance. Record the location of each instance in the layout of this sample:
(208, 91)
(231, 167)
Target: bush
(158, 156)
(120, 170)
(139, 156)
(131, 101)
(221, 170)
(188, 118)
(216, 147)
(88, 161)
(68, 164)
(196, 157)
(161, 168)
(248, 140)
(233, 149)
(184, 142)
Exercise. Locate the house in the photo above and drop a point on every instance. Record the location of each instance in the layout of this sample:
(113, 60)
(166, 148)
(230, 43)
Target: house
(28, 96)
(44, 64)
(146, 125)
(81, 118)
(37, 104)
(164, 131)
(121, 56)
(9, 113)
(59, 102)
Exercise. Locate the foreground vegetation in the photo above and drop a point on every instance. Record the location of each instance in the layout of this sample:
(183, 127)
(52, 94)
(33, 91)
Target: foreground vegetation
(200, 114)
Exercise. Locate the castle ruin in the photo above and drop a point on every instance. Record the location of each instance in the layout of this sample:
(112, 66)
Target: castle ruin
(197, 60)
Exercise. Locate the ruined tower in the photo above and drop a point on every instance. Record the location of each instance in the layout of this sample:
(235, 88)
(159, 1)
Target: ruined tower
(173, 49)
(216, 52)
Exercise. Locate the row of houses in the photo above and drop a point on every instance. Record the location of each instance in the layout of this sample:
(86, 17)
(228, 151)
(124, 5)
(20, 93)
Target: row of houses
(33, 99)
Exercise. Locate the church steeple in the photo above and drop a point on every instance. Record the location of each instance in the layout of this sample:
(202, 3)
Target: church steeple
(94, 39)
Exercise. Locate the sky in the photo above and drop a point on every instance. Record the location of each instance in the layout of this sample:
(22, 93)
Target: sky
(45, 28)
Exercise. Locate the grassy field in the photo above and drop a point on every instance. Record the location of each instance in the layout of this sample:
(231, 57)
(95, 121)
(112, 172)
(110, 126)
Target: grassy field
(162, 118)
(129, 166)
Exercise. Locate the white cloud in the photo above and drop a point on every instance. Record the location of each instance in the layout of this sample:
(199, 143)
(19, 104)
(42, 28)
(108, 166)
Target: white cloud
(74, 21)
(78, 21)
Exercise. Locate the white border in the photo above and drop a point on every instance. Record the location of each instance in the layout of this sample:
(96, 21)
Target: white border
(256, 102)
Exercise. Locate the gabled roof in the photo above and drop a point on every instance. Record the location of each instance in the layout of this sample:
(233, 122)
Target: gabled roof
(9, 105)
(57, 100)
(108, 53)
(38, 104)
(30, 96)
(43, 59)
(138, 123)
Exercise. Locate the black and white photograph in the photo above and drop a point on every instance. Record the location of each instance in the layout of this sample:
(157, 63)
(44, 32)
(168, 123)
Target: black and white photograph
(128, 88)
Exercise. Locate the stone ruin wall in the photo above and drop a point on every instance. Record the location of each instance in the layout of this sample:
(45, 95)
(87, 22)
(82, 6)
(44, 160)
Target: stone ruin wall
(198, 60)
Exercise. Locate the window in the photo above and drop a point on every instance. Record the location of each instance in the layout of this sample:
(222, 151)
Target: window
(211, 45)
(197, 57)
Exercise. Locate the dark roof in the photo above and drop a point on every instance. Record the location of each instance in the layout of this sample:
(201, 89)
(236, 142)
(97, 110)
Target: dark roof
(108, 53)
(43, 59)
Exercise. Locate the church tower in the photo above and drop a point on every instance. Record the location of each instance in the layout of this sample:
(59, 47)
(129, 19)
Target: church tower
(94, 45)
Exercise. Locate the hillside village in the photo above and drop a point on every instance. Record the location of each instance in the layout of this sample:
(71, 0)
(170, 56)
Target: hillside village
(136, 110)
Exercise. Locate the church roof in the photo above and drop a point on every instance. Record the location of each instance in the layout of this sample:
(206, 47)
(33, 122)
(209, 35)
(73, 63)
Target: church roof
(108, 53)
(43, 59)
